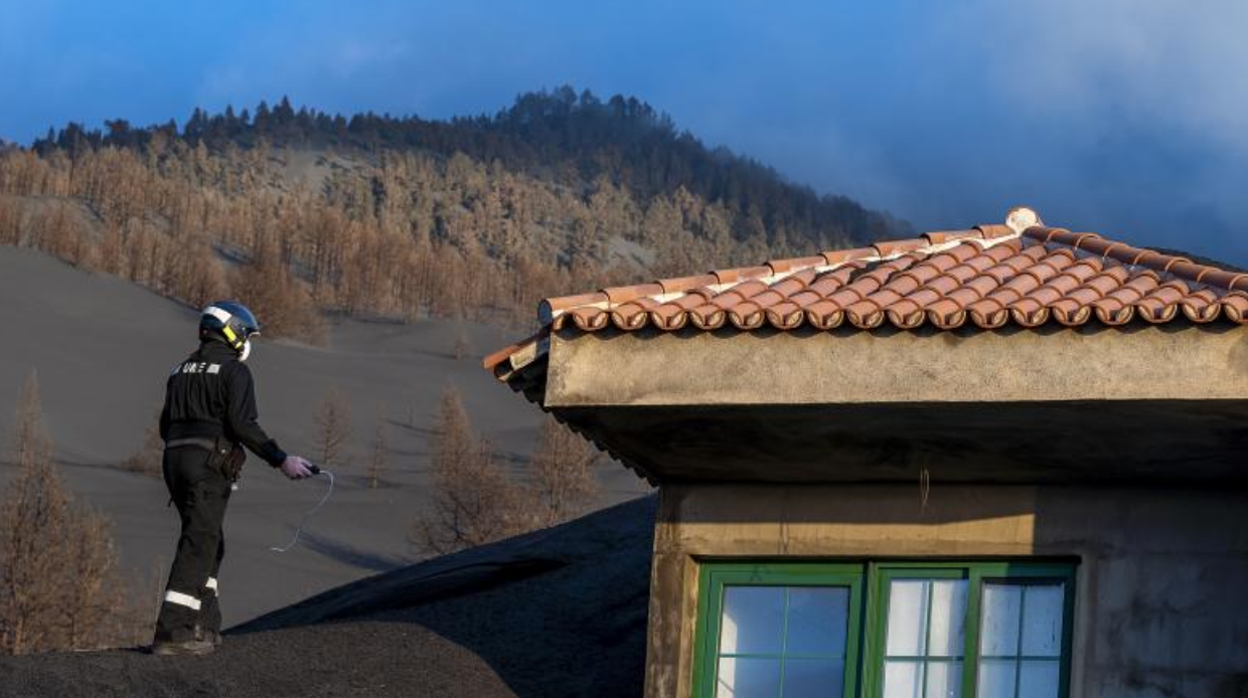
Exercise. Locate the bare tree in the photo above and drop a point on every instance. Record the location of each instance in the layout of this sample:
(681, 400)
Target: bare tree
(268, 287)
(136, 618)
(58, 562)
(562, 484)
(474, 502)
(333, 427)
(148, 459)
(10, 222)
(34, 507)
(92, 604)
(377, 464)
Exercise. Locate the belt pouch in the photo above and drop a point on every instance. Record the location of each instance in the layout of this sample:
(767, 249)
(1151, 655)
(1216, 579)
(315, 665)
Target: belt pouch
(227, 458)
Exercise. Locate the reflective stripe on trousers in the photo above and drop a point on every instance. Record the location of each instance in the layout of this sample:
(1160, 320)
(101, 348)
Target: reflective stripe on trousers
(181, 599)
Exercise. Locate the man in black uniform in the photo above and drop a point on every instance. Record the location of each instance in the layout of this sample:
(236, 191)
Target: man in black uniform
(210, 410)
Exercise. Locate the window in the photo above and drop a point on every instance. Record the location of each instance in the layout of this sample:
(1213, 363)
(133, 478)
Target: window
(924, 649)
(1020, 641)
(884, 630)
(788, 631)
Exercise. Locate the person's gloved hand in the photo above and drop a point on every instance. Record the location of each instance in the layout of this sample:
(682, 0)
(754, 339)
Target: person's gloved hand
(296, 468)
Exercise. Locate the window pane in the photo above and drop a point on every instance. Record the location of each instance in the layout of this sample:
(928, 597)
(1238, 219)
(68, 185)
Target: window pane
(818, 619)
(1039, 679)
(996, 678)
(901, 679)
(741, 677)
(814, 678)
(948, 618)
(998, 633)
(907, 618)
(1042, 620)
(753, 620)
(944, 680)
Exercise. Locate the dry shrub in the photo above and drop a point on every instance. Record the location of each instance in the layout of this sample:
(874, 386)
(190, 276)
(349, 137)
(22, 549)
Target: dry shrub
(58, 562)
(148, 460)
(462, 346)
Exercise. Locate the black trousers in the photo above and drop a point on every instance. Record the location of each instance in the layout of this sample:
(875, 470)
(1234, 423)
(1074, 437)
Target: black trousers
(201, 494)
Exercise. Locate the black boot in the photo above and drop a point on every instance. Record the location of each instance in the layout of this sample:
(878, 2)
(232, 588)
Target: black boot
(196, 643)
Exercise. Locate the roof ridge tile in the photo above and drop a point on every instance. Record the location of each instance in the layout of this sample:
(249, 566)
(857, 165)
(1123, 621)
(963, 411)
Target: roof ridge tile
(794, 264)
(837, 257)
(889, 248)
(735, 274)
(995, 230)
(617, 295)
(940, 237)
(680, 284)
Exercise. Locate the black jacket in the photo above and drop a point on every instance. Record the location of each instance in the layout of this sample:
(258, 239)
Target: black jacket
(212, 394)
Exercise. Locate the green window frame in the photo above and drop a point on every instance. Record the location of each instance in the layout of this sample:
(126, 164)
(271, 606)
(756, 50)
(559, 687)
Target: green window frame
(716, 578)
(869, 584)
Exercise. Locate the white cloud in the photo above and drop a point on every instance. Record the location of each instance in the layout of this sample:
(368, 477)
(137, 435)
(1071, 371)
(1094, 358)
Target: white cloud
(1167, 63)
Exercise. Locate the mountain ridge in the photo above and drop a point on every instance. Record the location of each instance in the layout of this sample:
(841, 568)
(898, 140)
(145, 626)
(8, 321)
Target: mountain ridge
(555, 134)
(300, 214)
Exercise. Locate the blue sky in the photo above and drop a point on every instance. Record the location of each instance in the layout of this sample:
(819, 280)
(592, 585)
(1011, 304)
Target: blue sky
(1128, 117)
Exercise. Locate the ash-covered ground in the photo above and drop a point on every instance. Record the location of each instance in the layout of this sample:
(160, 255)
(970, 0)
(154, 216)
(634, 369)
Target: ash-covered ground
(553, 614)
(103, 349)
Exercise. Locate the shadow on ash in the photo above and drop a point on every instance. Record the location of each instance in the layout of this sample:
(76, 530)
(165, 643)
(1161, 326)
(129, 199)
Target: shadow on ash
(559, 612)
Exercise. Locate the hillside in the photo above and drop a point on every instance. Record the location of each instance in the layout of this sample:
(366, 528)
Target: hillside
(560, 612)
(300, 211)
(103, 347)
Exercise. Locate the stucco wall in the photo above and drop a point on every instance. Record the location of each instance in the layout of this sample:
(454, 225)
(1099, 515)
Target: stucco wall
(847, 366)
(1162, 592)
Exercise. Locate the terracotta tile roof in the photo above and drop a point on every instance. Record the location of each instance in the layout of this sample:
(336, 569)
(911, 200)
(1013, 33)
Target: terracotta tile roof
(987, 277)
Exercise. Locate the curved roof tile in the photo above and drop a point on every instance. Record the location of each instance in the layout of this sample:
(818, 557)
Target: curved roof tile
(984, 278)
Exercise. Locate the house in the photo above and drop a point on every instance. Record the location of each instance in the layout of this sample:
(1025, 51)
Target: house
(1004, 462)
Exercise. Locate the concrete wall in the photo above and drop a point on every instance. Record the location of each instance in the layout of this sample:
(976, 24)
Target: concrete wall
(1162, 592)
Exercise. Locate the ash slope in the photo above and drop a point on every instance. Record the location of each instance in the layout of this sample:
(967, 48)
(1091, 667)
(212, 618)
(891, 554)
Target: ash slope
(560, 612)
(103, 347)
